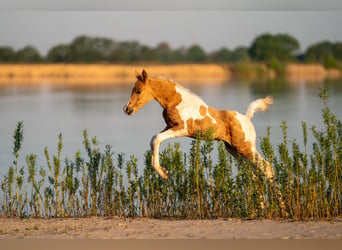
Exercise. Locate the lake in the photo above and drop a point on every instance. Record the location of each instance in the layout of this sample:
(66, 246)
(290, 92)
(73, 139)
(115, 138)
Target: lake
(47, 111)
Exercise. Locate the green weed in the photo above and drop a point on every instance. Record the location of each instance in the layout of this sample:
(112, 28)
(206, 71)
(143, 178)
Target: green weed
(107, 184)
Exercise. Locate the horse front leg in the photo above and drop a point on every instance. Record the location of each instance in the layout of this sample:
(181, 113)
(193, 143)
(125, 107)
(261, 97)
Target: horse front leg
(155, 143)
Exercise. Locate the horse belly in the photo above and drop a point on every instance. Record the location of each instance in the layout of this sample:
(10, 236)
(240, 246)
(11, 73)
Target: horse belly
(195, 126)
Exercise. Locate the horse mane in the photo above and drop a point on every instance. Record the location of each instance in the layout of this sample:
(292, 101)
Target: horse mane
(162, 77)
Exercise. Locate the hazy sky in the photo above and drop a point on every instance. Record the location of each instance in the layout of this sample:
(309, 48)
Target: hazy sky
(43, 25)
(228, 5)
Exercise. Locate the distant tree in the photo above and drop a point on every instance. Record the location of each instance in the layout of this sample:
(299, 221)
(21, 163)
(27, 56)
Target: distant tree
(6, 54)
(196, 54)
(90, 49)
(268, 47)
(319, 52)
(148, 54)
(222, 55)
(179, 55)
(272, 49)
(59, 54)
(28, 54)
(330, 62)
(326, 52)
(240, 54)
(288, 44)
(120, 55)
(126, 52)
(164, 53)
(337, 50)
(163, 48)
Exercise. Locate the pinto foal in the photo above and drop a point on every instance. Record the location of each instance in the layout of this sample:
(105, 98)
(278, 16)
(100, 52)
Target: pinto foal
(186, 114)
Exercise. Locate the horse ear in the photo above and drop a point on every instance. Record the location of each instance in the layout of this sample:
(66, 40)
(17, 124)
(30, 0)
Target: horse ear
(138, 76)
(144, 75)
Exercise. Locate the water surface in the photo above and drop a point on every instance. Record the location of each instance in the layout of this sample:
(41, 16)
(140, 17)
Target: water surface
(48, 111)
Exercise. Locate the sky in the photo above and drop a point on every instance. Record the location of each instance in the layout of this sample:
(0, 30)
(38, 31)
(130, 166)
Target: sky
(210, 24)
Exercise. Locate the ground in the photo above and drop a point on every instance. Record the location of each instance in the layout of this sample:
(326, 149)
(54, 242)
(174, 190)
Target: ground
(142, 228)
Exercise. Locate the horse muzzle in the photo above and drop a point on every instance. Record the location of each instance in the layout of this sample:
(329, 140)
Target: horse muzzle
(128, 110)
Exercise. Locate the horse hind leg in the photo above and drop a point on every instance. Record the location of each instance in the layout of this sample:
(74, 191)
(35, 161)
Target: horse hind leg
(266, 168)
(243, 160)
(231, 150)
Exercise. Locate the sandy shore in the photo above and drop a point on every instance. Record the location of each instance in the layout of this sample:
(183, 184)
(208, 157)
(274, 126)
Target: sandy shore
(142, 228)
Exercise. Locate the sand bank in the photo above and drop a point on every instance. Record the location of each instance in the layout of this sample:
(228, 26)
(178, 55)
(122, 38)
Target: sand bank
(88, 74)
(310, 72)
(109, 74)
(142, 228)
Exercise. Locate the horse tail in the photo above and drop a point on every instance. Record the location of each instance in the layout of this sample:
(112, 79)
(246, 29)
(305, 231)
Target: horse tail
(259, 105)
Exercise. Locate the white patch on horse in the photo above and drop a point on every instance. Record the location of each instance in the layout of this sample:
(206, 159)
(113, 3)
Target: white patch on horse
(190, 105)
(248, 129)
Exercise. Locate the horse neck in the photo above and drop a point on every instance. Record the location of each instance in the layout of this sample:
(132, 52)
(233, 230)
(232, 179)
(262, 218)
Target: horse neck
(164, 92)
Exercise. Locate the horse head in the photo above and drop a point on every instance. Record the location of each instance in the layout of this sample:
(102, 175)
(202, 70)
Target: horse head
(141, 94)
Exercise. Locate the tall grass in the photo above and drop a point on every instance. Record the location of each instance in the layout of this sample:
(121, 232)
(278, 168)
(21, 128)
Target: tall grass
(103, 183)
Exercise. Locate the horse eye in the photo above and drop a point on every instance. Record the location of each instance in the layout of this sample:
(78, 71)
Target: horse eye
(138, 92)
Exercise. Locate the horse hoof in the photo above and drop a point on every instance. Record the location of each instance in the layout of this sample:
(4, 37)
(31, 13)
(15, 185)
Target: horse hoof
(286, 215)
(162, 172)
(165, 171)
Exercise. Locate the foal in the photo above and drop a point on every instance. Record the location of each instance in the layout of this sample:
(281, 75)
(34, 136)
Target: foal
(186, 114)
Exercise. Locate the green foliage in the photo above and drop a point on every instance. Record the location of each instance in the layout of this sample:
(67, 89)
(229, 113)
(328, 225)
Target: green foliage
(326, 52)
(273, 49)
(103, 183)
(278, 67)
(337, 51)
(246, 70)
(59, 54)
(268, 47)
(240, 54)
(319, 51)
(164, 52)
(54, 179)
(88, 49)
(330, 62)
(222, 55)
(6, 54)
(196, 54)
(18, 138)
(28, 54)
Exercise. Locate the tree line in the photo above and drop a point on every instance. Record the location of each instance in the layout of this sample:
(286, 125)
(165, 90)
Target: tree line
(269, 48)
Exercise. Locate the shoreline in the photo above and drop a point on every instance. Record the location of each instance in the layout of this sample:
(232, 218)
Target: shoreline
(107, 74)
(143, 228)
(187, 74)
